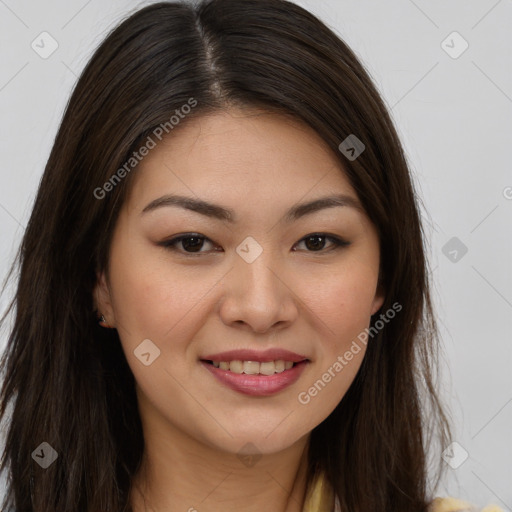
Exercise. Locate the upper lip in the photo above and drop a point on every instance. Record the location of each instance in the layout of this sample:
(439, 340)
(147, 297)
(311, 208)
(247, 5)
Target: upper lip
(272, 354)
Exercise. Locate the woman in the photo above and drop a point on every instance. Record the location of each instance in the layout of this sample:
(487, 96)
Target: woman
(223, 298)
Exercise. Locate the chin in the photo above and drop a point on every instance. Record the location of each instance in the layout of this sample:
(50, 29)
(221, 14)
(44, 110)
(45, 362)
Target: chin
(254, 441)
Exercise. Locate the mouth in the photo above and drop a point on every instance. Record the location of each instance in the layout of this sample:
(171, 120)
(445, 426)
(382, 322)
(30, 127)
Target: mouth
(255, 378)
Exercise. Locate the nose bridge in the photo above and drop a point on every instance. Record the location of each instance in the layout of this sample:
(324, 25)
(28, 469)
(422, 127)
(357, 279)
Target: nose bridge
(258, 277)
(260, 274)
(256, 294)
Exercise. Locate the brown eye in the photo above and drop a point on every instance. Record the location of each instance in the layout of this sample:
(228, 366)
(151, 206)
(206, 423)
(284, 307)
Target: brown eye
(315, 242)
(190, 243)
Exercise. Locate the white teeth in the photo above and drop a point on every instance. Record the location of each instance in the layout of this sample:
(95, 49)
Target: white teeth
(254, 367)
(268, 368)
(236, 366)
(280, 366)
(251, 367)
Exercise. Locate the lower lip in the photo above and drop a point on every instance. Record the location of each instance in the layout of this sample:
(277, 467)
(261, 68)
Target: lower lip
(257, 385)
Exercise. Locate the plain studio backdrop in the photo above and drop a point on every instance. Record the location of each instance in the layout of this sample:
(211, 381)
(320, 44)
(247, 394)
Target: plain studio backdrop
(445, 72)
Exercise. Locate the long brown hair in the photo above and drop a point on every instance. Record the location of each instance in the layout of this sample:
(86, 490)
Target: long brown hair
(66, 380)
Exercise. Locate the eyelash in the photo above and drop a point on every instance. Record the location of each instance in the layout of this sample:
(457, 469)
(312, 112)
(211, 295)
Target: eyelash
(171, 243)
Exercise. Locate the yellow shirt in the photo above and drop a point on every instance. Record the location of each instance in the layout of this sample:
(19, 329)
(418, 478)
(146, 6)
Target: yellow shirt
(322, 500)
(454, 505)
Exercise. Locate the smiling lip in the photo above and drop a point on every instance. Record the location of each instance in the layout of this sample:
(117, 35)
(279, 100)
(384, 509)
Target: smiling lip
(256, 385)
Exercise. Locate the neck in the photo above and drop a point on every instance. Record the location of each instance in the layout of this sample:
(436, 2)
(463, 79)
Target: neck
(180, 474)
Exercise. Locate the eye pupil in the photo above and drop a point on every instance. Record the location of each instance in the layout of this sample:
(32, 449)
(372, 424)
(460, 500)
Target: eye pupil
(315, 246)
(195, 245)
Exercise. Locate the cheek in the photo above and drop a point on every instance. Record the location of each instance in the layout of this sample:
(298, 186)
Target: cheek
(343, 306)
(342, 299)
(153, 300)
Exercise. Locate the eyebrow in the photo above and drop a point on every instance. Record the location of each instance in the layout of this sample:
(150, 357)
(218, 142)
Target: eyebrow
(227, 215)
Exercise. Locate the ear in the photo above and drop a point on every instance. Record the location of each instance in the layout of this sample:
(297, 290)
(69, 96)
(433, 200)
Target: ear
(102, 300)
(380, 296)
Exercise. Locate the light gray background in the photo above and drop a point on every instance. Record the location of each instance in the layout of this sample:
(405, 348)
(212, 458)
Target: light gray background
(454, 116)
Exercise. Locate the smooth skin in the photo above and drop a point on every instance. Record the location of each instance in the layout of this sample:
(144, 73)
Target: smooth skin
(309, 297)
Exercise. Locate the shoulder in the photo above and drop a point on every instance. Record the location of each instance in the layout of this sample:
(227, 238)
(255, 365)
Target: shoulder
(454, 505)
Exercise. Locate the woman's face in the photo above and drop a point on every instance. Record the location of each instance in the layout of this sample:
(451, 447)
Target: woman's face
(262, 278)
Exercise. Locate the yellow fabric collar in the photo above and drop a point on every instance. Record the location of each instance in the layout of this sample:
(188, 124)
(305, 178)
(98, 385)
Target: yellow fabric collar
(321, 499)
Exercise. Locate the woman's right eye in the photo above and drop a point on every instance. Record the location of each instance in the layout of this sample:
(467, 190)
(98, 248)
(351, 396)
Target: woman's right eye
(191, 243)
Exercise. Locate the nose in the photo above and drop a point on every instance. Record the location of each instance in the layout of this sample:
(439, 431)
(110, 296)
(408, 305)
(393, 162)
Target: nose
(258, 296)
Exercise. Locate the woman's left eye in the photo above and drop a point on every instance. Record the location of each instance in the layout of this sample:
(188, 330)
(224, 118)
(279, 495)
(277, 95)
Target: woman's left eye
(314, 240)
(192, 243)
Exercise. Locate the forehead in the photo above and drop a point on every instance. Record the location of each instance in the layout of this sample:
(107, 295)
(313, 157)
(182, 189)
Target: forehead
(239, 154)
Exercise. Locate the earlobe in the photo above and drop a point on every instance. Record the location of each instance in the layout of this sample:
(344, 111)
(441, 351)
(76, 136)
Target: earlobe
(102, 301)
(379, 298)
